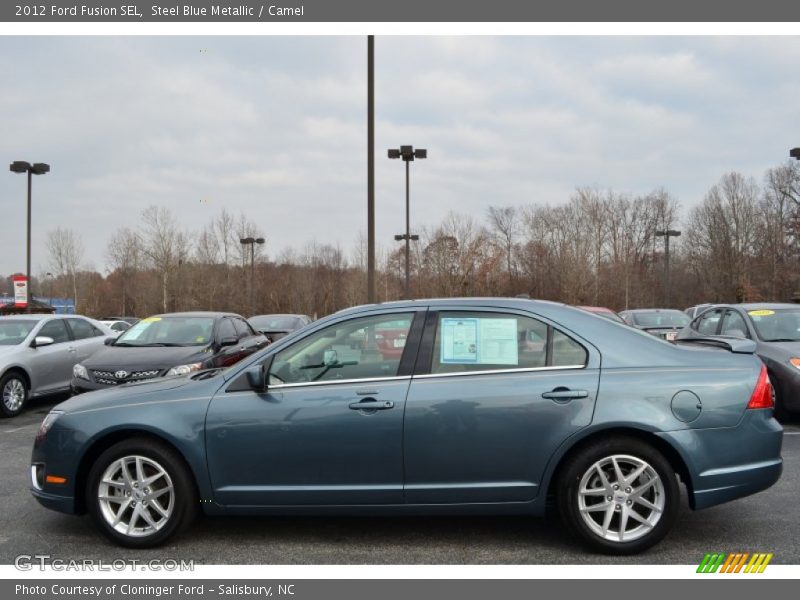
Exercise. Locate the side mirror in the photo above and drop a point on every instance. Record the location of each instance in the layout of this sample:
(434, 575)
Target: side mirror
(228, 341)
(42, 340)
(257, 378)
(109, 341)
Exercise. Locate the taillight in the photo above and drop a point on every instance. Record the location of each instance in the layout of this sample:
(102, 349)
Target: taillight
(762, 395)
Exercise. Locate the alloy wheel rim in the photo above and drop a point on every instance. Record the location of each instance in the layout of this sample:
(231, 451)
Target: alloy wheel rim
(136, 496)
(13, 394)
(621, 498)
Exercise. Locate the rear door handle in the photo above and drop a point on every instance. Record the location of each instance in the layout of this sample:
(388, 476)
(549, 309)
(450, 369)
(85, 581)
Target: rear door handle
(563, 394)
(371, 404)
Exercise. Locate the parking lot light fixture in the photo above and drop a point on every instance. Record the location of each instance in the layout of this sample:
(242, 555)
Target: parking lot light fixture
(795, 153)
(666, 234)
(19, 167)
(408, 154)
(251, 241)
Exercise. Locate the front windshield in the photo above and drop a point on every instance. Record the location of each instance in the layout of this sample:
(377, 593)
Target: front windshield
(168, 331)
(672, 318)
(275, 322)
(14, 331)
(780, 325)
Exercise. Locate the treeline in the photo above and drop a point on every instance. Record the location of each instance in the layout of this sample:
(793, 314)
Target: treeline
(739, 243)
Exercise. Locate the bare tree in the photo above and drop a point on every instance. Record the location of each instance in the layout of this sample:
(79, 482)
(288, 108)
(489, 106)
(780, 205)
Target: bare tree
(65, 251)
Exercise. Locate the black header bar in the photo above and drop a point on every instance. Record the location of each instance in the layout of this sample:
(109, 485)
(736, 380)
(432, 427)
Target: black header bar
(198, 11)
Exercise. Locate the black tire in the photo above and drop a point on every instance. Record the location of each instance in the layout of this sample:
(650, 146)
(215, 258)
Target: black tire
(18, 381)
(185, 503)
(579, 464)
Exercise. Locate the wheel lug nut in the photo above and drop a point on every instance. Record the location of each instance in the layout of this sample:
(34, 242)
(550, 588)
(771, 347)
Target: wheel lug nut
(627, 490)
(618, 507)
(629, 502)
(616, 487)
(608, 497)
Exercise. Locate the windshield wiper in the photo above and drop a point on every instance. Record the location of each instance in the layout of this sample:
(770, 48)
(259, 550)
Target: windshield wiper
(783, 340)
(169, 344)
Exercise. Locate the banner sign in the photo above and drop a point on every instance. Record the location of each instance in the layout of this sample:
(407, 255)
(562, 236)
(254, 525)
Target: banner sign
(362, 11)
(20, 290)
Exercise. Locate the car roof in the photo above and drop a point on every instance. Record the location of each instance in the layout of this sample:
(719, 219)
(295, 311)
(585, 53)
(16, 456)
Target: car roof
(652, 310)
(40, 316)
(199, 313)
(277, 315)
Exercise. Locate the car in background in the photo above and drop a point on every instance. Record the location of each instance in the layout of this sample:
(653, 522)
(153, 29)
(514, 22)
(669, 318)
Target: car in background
(277, 326)
(664, 323)
(600, 421)
(693, 311)
(775, 329)
(117, 326)
(606, 313)
(166, 345)
(38, 352)
(129, 320)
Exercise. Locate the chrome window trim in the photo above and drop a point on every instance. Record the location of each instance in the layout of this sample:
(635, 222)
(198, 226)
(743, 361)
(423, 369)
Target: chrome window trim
(280, 386)
(500, 371)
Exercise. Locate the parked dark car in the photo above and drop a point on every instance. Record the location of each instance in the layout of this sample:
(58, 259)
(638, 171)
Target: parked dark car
(277, 326)
(664, 323)
(169, 344)
(493, 406)
(775, 328)
(606, 313)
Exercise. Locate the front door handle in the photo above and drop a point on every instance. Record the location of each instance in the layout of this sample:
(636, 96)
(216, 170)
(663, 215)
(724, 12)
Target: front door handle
(371, 404)
(564, 394)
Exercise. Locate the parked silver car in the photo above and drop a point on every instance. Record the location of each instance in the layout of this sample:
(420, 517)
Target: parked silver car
(37, 353)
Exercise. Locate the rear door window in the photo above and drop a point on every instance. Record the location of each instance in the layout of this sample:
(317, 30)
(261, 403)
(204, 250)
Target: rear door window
(55, 329)
(82, 329)
(488, 341)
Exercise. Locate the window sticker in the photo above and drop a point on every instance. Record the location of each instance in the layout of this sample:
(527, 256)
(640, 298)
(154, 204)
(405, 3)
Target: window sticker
(761, 313)
(479, 341)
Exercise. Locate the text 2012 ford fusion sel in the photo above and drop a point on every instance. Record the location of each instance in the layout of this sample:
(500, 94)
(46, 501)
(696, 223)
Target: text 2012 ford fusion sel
(478, 406)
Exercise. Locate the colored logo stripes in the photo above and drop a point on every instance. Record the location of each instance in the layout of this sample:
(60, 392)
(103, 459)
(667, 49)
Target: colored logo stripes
(739, 562)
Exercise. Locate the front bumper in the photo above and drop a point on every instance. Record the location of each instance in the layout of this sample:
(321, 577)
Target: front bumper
(727, 463)
(80, 386)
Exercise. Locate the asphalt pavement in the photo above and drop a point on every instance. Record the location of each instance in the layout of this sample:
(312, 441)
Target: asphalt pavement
(766, 522)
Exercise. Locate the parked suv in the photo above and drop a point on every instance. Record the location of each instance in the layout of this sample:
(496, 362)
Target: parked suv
(169, 344)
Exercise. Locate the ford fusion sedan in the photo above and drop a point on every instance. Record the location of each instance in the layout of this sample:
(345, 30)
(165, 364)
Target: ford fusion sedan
(38, 352)
(775, 329)
(169, 344)
(471, 417)
(664, 323)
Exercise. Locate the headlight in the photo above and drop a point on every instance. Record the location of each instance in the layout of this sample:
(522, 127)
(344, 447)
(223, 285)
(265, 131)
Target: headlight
(184, 369)
(80, 372)
(47, 423)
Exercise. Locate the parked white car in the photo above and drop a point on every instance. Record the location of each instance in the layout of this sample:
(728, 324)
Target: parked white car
(37, 353)
(117, 327)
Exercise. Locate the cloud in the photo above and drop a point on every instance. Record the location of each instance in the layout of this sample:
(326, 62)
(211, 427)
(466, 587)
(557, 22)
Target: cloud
(276, 126)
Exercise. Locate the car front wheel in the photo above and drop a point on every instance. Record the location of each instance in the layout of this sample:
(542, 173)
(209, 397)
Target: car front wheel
(620, 496)
(140, 493)
(14, 390)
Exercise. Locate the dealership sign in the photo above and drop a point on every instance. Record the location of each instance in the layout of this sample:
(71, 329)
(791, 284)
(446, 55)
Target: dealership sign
(20, 290)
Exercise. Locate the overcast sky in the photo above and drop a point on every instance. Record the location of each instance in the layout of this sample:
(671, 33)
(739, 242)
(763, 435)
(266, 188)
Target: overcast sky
(276, 127)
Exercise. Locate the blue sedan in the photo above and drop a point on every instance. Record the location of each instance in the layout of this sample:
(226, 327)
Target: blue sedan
(444, 406)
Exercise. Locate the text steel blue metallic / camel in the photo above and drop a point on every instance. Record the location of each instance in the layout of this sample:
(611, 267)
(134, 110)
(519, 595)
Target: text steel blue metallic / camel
(479, 405)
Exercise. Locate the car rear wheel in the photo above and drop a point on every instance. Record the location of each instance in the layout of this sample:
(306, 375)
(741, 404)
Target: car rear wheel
(140, 493)
(620, 496)
(14, 390)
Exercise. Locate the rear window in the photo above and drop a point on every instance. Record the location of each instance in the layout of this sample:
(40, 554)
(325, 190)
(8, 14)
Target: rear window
(661, 319)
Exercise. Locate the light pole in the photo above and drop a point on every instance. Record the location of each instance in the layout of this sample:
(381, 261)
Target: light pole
(408, 154)
(371, 296)
(251, 241)
(666, 234)
(21, 166)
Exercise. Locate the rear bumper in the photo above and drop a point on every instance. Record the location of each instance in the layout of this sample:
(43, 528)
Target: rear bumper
(727, 463)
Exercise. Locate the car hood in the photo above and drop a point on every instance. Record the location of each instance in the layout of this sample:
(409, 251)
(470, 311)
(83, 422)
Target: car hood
(129, 393)
(129, 358)
(784, 349)
(6, 350)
